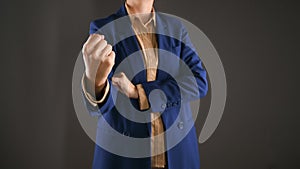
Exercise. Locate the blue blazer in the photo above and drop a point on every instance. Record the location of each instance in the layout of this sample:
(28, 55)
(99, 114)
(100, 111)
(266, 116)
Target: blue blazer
(185, 154)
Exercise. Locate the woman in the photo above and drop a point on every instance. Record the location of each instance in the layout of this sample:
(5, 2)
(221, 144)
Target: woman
(101, 77)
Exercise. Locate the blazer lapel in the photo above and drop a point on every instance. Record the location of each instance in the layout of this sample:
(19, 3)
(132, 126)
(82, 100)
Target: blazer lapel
(163, 41)
(131, 50)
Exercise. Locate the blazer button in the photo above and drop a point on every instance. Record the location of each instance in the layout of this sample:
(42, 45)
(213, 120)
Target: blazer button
(163, 106)
(180, 125)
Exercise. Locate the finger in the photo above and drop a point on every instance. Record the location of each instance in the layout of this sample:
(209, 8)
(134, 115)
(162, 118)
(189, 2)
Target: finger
(116, 85)
(120, 75)
(94, 38)
(91, 42)
(115, 80)
(112, 54)
(112, 57)
(107, 50)
(113, 83)
(99, 47)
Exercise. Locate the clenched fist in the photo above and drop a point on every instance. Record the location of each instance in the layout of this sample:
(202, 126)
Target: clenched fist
(98, 59)
(124, 85)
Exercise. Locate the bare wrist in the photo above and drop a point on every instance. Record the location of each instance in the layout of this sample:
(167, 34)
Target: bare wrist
(135, 93)
(92, 86)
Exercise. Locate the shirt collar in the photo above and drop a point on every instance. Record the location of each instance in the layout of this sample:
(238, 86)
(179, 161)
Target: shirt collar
(134, 16)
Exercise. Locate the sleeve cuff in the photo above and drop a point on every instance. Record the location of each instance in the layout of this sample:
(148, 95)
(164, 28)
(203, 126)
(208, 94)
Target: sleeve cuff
(91, 97)
(143, 101)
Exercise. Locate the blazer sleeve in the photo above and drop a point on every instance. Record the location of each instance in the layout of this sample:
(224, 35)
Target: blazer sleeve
(104, 103)
(186, 87)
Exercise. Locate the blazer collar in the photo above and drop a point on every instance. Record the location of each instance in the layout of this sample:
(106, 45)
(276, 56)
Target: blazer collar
(122, 11)
(158, 18)
(124, 30)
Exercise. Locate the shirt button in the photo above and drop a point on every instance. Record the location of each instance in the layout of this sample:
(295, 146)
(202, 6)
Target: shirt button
(180, 125)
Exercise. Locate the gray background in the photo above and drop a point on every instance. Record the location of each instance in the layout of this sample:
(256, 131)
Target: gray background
(258, 43)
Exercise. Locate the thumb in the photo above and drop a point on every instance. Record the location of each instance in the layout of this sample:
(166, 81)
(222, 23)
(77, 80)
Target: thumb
(115, 79)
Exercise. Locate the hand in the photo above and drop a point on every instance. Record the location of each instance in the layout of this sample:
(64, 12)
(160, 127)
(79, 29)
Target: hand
(98, 59)
(124, 85)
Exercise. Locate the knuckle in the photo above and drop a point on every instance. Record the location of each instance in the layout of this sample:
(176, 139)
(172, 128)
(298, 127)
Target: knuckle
(113, 55)
(104, 42)
(109, 62)
(97, 36)
(105, 61)
(94, 56)
(109, 47)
